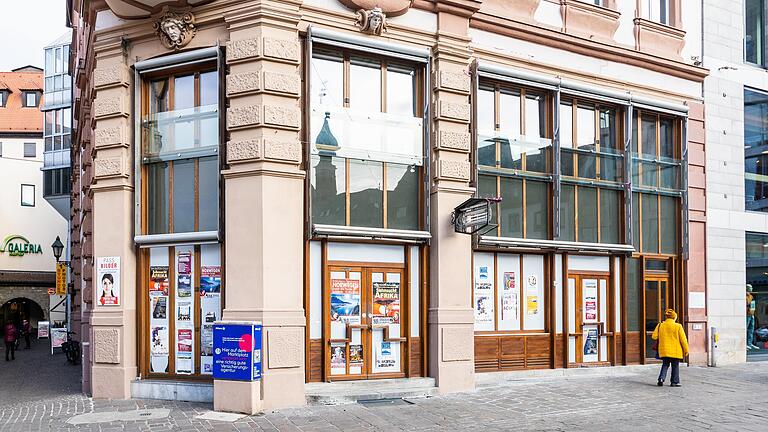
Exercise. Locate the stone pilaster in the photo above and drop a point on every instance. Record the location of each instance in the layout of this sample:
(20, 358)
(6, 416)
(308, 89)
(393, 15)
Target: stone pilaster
(451, 319)
(113, 328)
(264, 201)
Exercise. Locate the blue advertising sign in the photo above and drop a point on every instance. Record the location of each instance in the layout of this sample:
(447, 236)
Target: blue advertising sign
(237, 351)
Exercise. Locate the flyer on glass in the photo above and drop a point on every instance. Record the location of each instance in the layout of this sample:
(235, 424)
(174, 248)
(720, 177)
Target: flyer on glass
(159, 307)
(509, 281)
(386, 302)
(338, 358)
(345, 300)
(210, 279)
(108, 277)
(483, 308)
(355, 355)
(184, 340)
(159, 343)
(185, 263)
(184, 285)
(184, 311)
(509, 306)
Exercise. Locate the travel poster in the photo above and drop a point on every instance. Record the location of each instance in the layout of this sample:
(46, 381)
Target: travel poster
(345, 300)
(184, 285)
(108, 279)
(355, 355)
(158, 279)
(385, 357)
(386, 302)
(210, 279)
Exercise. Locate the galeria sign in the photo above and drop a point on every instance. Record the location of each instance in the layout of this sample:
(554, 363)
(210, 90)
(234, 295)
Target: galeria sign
(16, 245)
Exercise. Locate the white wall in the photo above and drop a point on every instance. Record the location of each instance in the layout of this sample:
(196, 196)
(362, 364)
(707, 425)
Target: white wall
(39, 224)
(726, 219)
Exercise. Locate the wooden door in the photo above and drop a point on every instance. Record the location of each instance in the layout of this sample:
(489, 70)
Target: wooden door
(591, 333)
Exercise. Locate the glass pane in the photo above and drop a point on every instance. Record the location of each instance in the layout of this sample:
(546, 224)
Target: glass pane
(66, 143)
(183, 124)
(366, 206)
(157, 198)
(209, 97)
(49, 53)
(486, 152)
(486, 188)
(209, 193)
(535, 116)
(58, 63)
(67, 120)
(536, 210)
(327, 82)
(57, 142)
(650, 222)
(567, 213)
(755, 150)
(649, 173)
(511, 216)
(365, 84)
(586, 207)
(402, 196)
(158, 138)
(667, 138)
(509, 113)
(633, 294)
(656, 265)
(58, 124)
(636, 220)
(757, 263)
(49, 118)
(49, 144)
(585, 130)
(184, 195)
(328, 190)
(401, 90)
(649, 135)
(566, 125)
(610, 216)
(510, 153)
(669, 221)
(754, 36)
(608, 129)
(651, 314)
(486, 123)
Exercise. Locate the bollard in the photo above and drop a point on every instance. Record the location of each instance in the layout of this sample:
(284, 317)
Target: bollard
(714, 339)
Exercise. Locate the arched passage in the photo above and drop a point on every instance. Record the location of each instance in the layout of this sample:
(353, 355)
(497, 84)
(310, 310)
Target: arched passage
(20, 308)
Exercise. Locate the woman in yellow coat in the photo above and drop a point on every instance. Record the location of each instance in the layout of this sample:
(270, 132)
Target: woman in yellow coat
(673, 347)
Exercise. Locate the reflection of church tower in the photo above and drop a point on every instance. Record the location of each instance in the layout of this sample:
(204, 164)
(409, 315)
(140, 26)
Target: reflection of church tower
(326, 143)
(326, 194)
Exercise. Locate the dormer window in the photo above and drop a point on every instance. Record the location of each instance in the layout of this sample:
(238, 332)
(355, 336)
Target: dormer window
(30, 99)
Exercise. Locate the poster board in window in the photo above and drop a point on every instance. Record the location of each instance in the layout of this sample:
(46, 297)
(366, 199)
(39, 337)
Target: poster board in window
(483, 286)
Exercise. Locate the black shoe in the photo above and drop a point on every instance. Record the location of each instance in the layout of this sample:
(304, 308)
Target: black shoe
(660, 383)
(675, 385)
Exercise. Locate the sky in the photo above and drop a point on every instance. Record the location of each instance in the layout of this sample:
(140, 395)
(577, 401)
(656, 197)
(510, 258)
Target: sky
(29, 26)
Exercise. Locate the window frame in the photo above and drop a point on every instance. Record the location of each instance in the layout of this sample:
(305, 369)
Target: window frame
(762, 51)
(21, 197)
(420, 85)
(25, 98)
(33, 153)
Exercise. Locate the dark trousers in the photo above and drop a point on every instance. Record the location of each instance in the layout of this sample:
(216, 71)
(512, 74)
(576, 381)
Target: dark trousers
(675, 369)
(26, 339)
(10, 348)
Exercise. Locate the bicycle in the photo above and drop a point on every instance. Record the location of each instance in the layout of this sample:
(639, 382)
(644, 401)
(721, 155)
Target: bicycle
(71, 349)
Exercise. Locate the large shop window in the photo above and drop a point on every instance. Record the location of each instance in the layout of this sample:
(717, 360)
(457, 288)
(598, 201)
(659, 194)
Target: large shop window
(367, 135)
(592, 169)
(755, 150)
(181, 286)
(656, 183)
(509, 292)
(514, 158)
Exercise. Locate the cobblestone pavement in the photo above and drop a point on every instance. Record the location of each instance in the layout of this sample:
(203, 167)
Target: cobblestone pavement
(722, 399)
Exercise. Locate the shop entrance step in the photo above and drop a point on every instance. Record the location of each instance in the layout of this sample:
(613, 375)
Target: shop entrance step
(346, 392)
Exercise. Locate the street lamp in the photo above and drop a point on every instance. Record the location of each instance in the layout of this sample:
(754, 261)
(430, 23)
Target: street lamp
(58, 248)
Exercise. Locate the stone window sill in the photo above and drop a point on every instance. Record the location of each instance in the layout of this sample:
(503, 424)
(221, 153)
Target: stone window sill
(590, 21)
(658, 39)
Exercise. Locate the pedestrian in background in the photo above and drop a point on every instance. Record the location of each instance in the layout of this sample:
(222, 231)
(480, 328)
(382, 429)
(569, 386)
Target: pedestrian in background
(10, 340)
(673, 347)
(26, 330)
(751, 319)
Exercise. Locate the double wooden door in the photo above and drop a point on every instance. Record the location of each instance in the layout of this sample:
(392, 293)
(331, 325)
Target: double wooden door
(365, 322)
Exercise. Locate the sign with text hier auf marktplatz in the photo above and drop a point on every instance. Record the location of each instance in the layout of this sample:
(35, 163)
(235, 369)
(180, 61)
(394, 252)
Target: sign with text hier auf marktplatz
(237, 351)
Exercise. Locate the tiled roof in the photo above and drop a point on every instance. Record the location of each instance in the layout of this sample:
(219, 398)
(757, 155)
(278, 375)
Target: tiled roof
(14, 117)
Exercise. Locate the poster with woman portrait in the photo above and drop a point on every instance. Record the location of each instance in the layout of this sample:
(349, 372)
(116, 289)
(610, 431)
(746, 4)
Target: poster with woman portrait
(108, 279)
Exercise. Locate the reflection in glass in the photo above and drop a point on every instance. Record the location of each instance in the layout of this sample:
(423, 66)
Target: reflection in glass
(209, 97)
(366, 199)
(401, 90)
(209, 193)
(634, 293)
(756, 150)
(651, 314)
(536, 210)
(328, 190)
(650, 222)
(566, 125)
(649, 135)
(636, 220)
(586, 207)
(511, 217)
(610, 211)
(402, 197)
(567, 213)
(158, 103)
(669, 222)
(365, 84)
(184, 195)
(754, 31)
(486, 188)
(327, 83)
(666, 138)
(486, 152)
(486, 123)
(585, 130)
(535, 116)
(183, 99)
(509, 113)
(157, 197)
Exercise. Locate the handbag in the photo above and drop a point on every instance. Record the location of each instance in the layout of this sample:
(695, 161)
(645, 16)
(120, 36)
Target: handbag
(655, 345)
